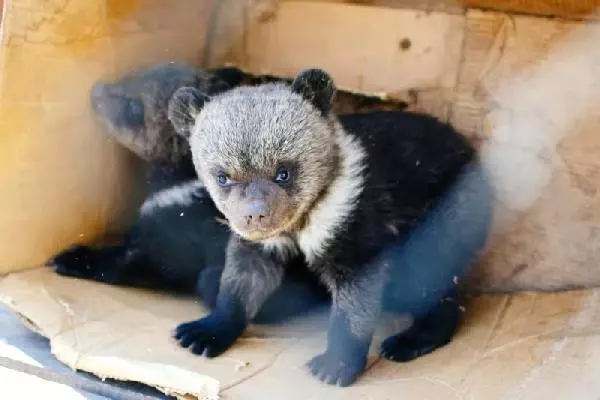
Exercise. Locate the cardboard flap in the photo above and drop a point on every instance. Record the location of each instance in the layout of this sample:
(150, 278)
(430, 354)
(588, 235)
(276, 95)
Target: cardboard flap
(521, 346)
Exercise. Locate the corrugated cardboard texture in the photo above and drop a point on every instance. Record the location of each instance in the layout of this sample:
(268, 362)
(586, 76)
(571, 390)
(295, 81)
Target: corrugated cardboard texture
(526, 346)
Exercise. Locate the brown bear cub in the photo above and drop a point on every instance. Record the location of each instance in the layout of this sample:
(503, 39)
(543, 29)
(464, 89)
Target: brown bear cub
(387, 208)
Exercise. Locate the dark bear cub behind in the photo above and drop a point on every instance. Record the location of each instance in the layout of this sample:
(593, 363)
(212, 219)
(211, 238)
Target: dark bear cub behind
(178, 242)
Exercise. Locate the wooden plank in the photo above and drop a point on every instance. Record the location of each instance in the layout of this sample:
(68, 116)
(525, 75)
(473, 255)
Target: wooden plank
(408, 55)
(566, 9)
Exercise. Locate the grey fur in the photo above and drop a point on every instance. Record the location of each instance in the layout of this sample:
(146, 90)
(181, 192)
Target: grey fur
(154, 138)
(243, 136)
(249, 275)
(133, 110)
(184, 105)
(252, 129)
(360, 301)
(234, 132)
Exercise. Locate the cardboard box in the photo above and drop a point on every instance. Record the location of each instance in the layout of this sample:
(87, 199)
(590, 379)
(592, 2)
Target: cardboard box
(527, 346)
(524, 87)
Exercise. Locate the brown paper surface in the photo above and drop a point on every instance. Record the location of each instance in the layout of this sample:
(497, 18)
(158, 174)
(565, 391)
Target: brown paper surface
(454, 66)
(525, 346)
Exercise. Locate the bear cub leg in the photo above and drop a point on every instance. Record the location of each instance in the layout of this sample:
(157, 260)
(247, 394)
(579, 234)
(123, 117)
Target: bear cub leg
(427, 333)
(248, 279)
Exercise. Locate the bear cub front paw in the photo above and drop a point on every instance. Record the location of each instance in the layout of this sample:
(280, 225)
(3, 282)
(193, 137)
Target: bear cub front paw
(337, 370)
(75, 262)
(211, 335)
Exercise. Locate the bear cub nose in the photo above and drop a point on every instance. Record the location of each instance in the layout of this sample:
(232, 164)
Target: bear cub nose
(257, 216)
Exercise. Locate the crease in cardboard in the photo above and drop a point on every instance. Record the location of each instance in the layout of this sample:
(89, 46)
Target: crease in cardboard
(158, 375)
(484, 343)
(457, 393)
(582, 317)
(265, 368)
(497, 48)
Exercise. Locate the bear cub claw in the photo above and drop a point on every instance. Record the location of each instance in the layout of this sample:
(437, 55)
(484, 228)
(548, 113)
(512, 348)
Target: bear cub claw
(211, 335)
(335, 370)
(409, 346)
(426, 334)
(74, 262)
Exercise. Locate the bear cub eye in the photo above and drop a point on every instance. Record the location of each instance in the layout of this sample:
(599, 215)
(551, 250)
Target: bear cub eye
(222, 178)
(283, 176)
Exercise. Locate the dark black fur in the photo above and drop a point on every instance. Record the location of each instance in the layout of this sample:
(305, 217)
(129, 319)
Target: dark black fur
(165, 250)
(412, 160)
(181, 248)
(424, 179)
(133, 110)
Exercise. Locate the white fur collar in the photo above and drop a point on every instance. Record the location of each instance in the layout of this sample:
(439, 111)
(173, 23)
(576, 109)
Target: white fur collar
(326, 218)
(182, 194)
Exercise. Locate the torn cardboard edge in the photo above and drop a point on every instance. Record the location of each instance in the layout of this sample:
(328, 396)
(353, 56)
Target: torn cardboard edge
(79, 318)
(68, 384)
(123, 334)
(157, 375)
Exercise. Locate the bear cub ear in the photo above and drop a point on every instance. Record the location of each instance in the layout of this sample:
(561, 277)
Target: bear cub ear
(317, 87)
(184, 106)
(231, 75)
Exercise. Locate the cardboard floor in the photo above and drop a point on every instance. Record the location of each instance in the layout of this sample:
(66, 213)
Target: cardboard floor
(524, 346)
(29, 370)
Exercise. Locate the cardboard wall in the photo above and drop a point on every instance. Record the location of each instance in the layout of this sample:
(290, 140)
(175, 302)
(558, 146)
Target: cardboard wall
(65, 182)
(565, 9)
(62, 180)
(523, 87)
(531, 87)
